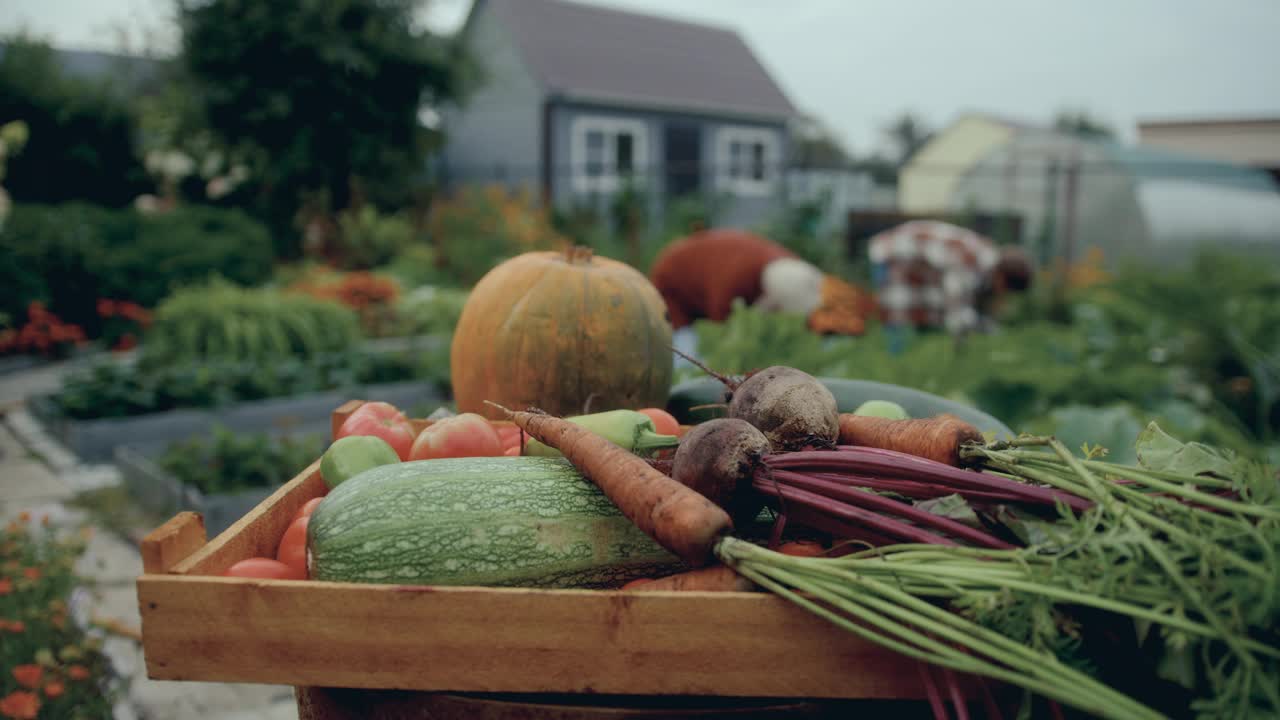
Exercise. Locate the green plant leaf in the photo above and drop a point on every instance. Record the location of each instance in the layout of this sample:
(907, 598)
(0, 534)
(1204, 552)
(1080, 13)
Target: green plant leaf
(1157, 450)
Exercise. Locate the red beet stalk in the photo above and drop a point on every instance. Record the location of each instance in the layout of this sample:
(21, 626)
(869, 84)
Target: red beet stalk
(887, 463)
(879, 503)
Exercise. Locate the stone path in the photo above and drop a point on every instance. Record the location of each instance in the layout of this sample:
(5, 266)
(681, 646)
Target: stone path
(38, 475)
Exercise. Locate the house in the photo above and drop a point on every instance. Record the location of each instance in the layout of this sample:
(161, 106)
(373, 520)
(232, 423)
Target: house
(580, 102)
(1254, 142)
(1132, 202)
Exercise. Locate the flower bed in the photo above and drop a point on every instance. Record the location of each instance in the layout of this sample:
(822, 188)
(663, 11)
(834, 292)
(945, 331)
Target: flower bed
(51, 667)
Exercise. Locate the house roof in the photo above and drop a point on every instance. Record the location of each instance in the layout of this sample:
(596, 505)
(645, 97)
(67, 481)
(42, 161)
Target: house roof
(598, 54)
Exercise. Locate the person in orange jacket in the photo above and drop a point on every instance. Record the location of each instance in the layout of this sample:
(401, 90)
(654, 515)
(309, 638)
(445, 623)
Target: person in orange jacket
(700, 275)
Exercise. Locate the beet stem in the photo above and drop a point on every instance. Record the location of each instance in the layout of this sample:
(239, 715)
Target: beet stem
(910, 467)
(892, 526)
(872, 501)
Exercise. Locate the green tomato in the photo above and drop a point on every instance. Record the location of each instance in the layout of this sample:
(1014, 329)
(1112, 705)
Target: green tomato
(882, 409)
(352, 455)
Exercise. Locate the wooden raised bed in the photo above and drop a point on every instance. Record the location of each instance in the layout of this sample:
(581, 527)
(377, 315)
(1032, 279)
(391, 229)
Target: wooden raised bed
(198, 625)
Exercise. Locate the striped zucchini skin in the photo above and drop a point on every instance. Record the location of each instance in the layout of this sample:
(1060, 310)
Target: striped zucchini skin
(515, 521)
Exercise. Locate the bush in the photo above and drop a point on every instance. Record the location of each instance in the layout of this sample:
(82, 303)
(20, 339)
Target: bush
(480, 227)
(223, 321)
(371, 296)
(71, 256)
(229, 462)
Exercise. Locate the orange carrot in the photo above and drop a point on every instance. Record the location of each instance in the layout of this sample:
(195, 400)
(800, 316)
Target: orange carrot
(717, 578)
(937, 438)
(678, 518)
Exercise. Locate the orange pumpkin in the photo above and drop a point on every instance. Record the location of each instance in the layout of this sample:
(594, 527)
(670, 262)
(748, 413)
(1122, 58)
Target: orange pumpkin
(566, 332)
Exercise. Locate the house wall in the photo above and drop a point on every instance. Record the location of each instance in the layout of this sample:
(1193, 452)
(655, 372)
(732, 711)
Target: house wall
(1254, 143)
(736, 209)
(496, 135)
(928, 181)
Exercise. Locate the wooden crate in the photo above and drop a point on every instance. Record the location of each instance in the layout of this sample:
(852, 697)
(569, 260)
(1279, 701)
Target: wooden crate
(198, 625)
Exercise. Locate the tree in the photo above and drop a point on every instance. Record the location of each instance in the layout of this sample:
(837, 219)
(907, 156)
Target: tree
(908, 133)
(323, 95)
(1080, 122)
(81, 131)
(815, 146)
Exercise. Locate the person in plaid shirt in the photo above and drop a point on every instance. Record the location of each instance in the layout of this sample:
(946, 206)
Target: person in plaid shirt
(936, 275)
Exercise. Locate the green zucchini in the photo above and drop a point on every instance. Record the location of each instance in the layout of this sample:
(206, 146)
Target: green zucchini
(514, 521)
(849, 395)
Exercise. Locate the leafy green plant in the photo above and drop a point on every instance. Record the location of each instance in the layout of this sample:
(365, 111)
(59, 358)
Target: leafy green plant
(369, 238)
(1023, 374)
(228, 462)
(430, 311)
(112, 389)
(48, 664)
(222, 321)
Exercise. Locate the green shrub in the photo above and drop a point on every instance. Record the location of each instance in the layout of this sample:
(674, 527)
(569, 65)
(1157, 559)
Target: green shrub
(228, 462)
(70, 256)
(223, 321)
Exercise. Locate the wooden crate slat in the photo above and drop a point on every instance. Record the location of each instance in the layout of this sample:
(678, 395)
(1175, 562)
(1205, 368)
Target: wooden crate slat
(505, 640)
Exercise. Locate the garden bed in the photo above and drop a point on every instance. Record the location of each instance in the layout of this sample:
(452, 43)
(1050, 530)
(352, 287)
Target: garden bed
(160, 493)
(96, 440)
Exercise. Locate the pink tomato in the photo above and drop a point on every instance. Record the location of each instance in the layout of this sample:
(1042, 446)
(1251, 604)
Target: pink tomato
(465, 435)
(382, 420)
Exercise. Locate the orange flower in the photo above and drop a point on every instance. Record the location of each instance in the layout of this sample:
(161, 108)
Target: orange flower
(44, 520)
(28, 675)
(77, 672)
(6, 586)
(20, 705)
(17, 626)
(31, 573)
(24, 517)
(53, 689)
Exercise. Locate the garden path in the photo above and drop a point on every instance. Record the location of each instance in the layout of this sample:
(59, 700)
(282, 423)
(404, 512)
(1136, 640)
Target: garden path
(39, 476)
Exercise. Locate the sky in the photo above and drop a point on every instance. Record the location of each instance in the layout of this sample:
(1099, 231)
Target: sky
(858, 64)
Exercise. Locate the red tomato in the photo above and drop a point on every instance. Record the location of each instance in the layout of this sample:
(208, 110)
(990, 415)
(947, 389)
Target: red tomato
(465, 435)
(508, 434)
(663, 421)
(260, 567)
(636, 582)
(382, 420)
(513, 451)
(310, 507)
(293, 546)
(802, 548)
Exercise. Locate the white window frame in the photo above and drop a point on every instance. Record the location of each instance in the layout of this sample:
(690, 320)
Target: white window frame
(745, 185)
(609, 180)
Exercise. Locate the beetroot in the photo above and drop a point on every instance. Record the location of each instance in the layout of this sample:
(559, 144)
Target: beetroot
(789, 406)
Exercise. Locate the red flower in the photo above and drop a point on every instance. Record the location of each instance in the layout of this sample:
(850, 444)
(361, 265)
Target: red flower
(6, 586)
(106, 308)
(127, 341)
(31, 573)
(28, 675)
(53, 689)
(20, 705)
(77, 672)
(17, 626)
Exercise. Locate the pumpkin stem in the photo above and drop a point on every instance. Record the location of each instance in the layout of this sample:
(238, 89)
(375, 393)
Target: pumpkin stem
(578, 254)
